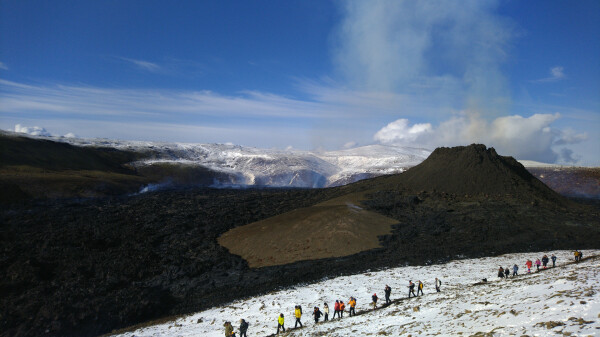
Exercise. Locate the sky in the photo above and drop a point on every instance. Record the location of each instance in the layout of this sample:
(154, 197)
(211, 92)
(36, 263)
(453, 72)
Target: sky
(520, 76)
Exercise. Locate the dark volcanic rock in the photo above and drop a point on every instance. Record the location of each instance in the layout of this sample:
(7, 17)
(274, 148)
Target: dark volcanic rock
(473, 170)
(83, 268)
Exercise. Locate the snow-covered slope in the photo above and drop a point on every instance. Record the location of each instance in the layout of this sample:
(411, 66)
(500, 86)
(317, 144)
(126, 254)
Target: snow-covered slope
(560, 301)
(272, 167)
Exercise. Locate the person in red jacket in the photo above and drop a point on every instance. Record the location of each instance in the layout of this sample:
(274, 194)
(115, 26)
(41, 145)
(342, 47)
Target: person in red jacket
(336, 309)
(529, 264)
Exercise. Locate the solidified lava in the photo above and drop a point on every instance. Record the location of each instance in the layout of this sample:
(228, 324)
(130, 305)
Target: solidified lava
(86, 267)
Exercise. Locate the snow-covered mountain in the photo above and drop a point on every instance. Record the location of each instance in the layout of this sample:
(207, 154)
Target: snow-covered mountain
(272, 167)
(233, 165)
(559, 301)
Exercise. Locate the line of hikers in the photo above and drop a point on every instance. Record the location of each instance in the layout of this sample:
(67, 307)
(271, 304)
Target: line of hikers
(338, 309)
(339, 305)
(505, 272)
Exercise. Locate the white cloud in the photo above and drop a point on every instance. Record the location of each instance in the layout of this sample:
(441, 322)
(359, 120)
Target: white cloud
(3, 66)
(556, 74)
(33, 131)
(400, 132)
(349, 145)
(141, 64)
(531, 138)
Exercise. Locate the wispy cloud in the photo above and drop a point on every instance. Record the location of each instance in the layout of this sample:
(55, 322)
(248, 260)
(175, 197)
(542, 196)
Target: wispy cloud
(438, 49)
(556, 74)
(143, 65)
(3, 66)
(141, 103)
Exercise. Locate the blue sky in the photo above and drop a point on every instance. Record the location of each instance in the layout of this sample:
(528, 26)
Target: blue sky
(522, 76)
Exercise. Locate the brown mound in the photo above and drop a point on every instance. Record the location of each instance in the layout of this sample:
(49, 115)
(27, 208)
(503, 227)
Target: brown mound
(338, 227)
(472, 170)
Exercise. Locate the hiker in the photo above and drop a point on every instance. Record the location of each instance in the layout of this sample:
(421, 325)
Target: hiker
(506, 272)
(326, 312)
(515, 270)
(529, 264)
(298, 314)
(538, 264)
(374, 298)
(388, 292)
(317, 313)
(336, 309)
(438, 284)
(501, 272)
(228, 329)
(411, 289)
(280, 322)
(553, 260)
(342, 307)
(243, 328)
(580, 255)
(545, 261)
(352, 304)
(420, 288)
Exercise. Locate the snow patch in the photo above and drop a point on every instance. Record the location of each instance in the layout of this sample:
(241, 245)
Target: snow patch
(563, 300)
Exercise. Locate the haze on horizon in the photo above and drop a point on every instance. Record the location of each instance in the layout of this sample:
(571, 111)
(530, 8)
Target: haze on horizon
(522, 77)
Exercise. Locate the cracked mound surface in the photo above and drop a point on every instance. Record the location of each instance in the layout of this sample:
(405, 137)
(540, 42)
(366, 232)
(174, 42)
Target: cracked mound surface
(335, 228)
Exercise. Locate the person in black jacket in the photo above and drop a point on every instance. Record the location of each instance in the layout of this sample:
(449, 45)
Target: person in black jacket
(317, 313)
(243, 328)
(411, 289)
(545, 261)
(374, 298)
(388, 292)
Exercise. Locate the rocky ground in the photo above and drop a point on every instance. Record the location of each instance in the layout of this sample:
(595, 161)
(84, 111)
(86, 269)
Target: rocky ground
(83, 267)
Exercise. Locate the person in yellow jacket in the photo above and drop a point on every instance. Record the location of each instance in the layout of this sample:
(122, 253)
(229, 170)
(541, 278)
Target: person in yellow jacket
(298, 314)
(352, 304)
(420, 288)
(280, 322)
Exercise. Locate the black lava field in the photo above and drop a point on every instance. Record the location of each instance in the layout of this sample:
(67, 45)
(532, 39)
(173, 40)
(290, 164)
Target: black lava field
(84, 267)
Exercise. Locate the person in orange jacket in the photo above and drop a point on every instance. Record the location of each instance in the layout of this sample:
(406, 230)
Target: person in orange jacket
(529, 264)
(352, 304)
(342, 307)
(336, 309)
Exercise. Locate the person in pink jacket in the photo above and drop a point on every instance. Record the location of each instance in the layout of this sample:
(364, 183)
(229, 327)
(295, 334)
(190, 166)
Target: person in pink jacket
(538, 263)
